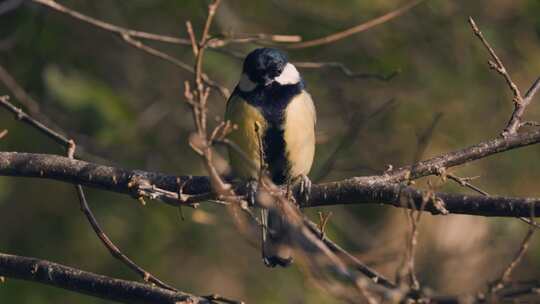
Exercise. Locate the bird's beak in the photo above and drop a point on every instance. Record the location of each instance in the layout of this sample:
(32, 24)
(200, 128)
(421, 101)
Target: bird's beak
(268, 81)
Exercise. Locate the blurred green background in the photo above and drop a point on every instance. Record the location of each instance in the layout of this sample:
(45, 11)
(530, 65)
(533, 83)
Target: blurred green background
(126, 108)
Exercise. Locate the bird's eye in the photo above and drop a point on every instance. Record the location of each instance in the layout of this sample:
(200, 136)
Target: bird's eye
(276, 72)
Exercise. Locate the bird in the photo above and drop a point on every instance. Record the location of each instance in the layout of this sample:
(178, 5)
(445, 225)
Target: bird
(274, 118)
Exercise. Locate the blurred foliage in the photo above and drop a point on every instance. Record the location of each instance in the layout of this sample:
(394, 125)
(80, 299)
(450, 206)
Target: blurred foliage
(126, 107)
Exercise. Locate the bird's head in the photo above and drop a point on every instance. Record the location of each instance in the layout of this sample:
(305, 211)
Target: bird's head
(265, 66)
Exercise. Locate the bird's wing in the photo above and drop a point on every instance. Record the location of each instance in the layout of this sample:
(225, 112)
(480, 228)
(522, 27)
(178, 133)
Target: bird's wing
(250, 127)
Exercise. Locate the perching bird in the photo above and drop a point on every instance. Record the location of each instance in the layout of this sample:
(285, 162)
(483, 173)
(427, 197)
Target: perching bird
(270, 106)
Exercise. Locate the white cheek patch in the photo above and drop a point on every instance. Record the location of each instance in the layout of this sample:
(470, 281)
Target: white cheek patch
(245, 84)
(289, 75)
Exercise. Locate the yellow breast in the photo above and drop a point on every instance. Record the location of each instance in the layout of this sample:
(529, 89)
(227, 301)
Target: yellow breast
(299, 134)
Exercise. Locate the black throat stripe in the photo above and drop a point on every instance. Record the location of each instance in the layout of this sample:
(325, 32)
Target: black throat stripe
(272, 101)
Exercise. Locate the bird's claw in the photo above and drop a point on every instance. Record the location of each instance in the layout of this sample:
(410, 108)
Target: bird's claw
(304, 188)
(251, 188)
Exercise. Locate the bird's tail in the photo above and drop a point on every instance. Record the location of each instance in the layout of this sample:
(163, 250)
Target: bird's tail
(275, 239)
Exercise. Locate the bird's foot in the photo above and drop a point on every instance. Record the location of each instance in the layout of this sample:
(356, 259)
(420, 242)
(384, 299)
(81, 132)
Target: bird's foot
(274, 261)
(251, 188)
(304, 190)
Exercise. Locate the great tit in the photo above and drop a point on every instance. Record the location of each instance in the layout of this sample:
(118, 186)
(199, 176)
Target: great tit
(270, 107)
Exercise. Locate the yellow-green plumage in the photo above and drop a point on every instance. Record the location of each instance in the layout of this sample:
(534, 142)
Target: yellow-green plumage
(298, 133)
(274, 120)
(244, 117)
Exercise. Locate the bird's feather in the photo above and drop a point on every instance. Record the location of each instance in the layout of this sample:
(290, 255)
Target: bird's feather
(299, 134)
(246, 162)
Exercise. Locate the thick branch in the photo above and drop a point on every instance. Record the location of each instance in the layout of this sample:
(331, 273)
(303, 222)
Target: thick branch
(46, 272)
(438, 164)
(350, 192)
(359, 190)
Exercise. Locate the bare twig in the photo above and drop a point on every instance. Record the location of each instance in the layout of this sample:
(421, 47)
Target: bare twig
(197, 99)
(513, 292)
(455, 158)
(356, 123)
(520, 101)
(352, 260)
(496, 63)
(219, 298)
(529, 124)
(152, 51)
(129, 36)
(423, 139)
(31, 105)
(345, 70)
(465, 182)
(407, 269)
(113, 249)
(3, 133)
(227, 38)
(70, 151)
(323, 221)
(531, 222)
(111, 27)
(505, 276)
(356, 29)
(202, 142)
(22, 116)
(519, 109)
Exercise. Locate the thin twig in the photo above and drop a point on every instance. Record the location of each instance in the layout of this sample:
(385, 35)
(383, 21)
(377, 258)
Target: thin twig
(356, 29)
(356, 263)
(520, 101)
(111, 27)
(152, 51)
(407, 268)
(113, 249)
(70, 146)
(515, 123)
(531, 222)
(505, 276)
(412, 243)
(345, 70)
(31, 105)
(424, 138)
(197, 98)
(496, 62)
(464, 182)
(129, 36)
(227, 38)
(356, 123)
(22, 116)
(219, 298)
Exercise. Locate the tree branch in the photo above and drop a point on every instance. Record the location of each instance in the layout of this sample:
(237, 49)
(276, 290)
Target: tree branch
(357, 28)
(57, 275)
(359, 190)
